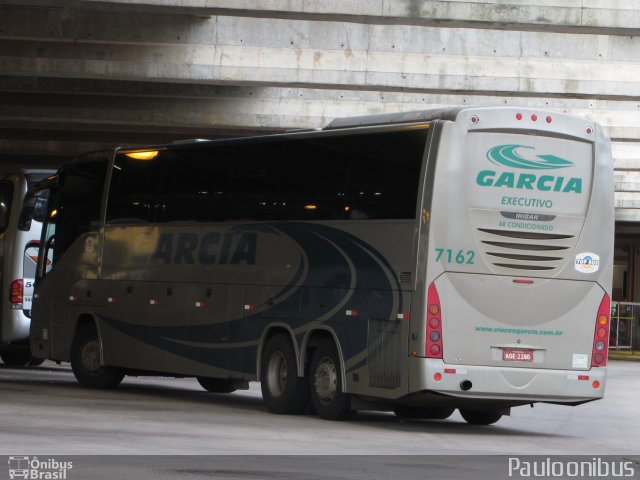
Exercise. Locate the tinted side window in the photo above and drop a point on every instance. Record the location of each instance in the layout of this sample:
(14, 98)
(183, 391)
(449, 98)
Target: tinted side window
(79, 201)
(217, 183)
(384, 174)
(132, 191)
(313, 177)
(367, 176)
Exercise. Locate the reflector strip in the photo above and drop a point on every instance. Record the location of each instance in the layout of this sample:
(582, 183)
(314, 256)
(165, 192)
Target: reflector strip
(73, 298)
(403, 316)
(111, 300)
(583, 377)
(153, 301)
(249, 307)
(450, 370)
(199, 304)
(351, 313)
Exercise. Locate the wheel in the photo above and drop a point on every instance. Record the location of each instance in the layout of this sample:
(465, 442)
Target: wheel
(430, 413)
(19, 357)
(480, 417)
(36, 361)
(86, 361)
(282, 390)
(327, 396)
(218, 385)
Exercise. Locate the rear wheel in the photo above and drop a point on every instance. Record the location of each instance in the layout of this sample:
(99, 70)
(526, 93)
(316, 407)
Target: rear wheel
(480, 416)
(327, 396)
(430, 413)
(86, 360)
(282, 390)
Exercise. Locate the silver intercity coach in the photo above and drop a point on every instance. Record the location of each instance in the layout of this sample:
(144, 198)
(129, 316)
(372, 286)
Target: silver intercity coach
(416, 262)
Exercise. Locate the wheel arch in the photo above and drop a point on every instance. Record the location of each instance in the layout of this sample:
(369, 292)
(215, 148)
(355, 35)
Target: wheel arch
(272, 330)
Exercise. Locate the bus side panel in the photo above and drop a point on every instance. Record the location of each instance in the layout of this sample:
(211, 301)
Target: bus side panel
(301, 275)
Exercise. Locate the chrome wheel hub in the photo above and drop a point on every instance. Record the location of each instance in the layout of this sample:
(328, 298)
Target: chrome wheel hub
(325, 381)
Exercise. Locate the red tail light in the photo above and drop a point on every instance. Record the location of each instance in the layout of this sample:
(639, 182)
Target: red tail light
(601, 334)
(434, 324)
(16, 293)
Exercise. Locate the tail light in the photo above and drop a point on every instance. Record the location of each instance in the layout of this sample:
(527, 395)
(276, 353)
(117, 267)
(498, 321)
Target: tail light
(434, 324)
(16, 293)
(601, 334)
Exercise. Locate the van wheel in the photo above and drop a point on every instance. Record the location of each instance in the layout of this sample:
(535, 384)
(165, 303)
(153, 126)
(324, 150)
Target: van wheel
(429, 413)
(480, 417)
(17, 358)
(218, 385)
(329, 400)
(85, 361)
(282, 390)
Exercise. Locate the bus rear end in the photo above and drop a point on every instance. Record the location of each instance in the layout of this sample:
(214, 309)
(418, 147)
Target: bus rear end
(519, 255)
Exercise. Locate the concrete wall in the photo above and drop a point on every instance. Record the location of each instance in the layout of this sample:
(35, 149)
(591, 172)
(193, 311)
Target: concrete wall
(122, 71)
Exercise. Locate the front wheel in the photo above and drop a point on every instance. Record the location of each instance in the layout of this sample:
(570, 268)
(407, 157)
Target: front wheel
(480, 416)
(86, 363)
(282, 390)
(328, 399)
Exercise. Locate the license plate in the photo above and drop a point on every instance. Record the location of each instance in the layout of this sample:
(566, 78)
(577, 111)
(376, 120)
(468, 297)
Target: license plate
(517, 355)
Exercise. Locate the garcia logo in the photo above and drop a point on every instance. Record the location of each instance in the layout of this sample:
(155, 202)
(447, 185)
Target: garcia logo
(587, 262)
(507, 156)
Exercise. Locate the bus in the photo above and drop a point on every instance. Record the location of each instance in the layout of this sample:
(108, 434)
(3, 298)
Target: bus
(415, 262)
(19, 240)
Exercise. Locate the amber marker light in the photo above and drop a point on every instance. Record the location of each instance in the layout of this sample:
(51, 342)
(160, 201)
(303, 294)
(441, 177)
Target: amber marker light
(310, 207)
(143, 155)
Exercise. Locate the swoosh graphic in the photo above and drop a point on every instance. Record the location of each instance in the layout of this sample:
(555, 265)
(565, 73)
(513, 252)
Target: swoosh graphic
(507, 156)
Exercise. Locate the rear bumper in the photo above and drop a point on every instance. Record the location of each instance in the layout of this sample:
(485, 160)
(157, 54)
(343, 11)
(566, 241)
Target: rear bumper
(522, 385)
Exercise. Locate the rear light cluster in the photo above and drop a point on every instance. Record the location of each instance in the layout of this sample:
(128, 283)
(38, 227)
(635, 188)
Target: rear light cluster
(601, 335)
(16, 293)
(434, 324)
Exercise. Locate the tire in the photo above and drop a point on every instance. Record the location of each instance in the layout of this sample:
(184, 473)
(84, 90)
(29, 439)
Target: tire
(429, 413)
(282, 390)
(16, 357)
(36, 362)
(85, 361)
(330, 402)
(480, 417)
(218, 385)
